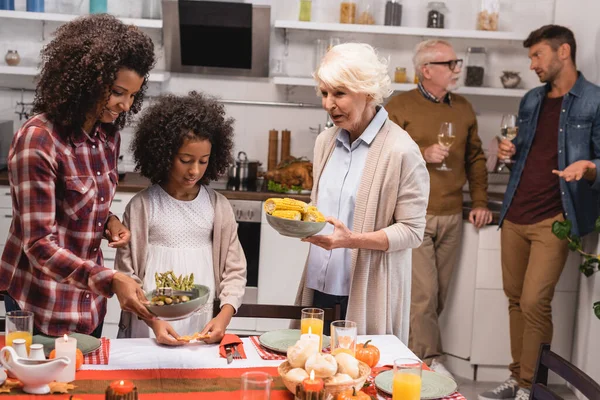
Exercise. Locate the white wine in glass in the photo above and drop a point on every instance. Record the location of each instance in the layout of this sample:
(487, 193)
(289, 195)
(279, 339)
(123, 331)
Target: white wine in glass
(445, 140)
(508, 130)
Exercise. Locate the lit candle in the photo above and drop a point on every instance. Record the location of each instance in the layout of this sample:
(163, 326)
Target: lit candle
(66, 347)
(313, 387)
(312, 338)
(121, 390)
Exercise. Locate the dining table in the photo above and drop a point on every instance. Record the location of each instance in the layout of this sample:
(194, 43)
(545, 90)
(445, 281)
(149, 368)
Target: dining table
(193, 371)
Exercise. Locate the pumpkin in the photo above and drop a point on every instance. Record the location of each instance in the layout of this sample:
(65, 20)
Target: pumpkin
(352, 394)
(367, 354)
(78, 358)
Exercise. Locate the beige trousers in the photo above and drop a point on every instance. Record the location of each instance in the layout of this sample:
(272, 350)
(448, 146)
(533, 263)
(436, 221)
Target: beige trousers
(532, 261)
(432, 266)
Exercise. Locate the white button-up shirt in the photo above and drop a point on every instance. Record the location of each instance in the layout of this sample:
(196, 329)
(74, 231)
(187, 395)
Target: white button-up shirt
(329, 270)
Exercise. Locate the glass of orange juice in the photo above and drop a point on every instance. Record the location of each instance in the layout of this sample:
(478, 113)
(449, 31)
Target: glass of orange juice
(407, 379)
(343, 337)
(313, 318)
(19, 325)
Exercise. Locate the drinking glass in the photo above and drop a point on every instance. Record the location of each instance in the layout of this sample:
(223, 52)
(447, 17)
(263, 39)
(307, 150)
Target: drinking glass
(19, 325)
(407, 379)
(445, 140)
(256, 386)
(312, 318)
(343, 337)
(508, 130)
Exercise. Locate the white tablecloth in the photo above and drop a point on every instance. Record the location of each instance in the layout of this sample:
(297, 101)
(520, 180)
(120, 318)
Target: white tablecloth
(147, 354)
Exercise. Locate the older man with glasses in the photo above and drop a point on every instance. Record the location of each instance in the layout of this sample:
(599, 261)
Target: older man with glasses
(422, 112)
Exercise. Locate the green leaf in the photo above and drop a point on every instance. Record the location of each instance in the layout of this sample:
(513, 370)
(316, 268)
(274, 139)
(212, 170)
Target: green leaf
(597, 309)
(587, 268)
(597, 227)
(575, 243)
(561, 230)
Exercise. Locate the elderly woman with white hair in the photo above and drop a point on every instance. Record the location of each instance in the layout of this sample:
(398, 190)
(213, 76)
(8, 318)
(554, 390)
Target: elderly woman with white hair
(371, 182)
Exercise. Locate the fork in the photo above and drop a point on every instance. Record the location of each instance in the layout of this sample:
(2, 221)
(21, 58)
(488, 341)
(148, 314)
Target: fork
(236, 353)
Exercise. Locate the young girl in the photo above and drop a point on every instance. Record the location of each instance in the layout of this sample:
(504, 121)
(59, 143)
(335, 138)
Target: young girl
(178, 223)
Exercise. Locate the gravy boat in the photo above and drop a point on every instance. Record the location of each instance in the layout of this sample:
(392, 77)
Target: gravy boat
(33, 374)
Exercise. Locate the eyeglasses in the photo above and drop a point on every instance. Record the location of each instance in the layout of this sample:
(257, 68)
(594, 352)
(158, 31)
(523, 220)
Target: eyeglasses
(452, 64)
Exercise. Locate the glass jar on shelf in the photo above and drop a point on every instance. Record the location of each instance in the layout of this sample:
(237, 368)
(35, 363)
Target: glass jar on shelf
(436, 14)
(12, 58)
(305, 10)
(348, 12)
(487, 18)
(393, 13)
(476, 64)
(367, 12)
(400, 75)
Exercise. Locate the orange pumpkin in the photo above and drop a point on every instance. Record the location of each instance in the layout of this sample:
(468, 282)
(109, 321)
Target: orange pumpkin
(78, 358)
(367, 354)
(351, 394)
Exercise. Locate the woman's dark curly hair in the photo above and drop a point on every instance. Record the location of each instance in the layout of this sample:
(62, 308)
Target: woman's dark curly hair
(170, 120)
(80, 65)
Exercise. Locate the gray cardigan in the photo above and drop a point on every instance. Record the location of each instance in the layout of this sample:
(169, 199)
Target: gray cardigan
(229, 261)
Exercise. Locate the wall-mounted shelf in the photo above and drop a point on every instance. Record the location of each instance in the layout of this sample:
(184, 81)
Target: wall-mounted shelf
(403, 87)
(155, 77)
(52, 17)
(400, 30)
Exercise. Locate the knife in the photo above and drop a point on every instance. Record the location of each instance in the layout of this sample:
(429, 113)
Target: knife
(229, 354)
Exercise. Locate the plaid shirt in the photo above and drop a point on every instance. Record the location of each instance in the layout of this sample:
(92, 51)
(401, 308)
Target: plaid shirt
(431, 97)
(61, 191)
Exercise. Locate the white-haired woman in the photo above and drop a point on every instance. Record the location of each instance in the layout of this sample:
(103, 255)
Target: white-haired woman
(370, 180)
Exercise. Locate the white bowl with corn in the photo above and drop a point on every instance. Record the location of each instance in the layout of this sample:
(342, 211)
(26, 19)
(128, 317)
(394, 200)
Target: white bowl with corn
(293, 218)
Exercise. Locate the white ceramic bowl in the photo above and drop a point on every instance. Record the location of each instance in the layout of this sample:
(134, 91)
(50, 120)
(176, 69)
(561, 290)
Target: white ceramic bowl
(296, 229)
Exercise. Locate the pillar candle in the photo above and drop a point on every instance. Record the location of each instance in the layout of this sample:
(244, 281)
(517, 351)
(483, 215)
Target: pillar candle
(311, 337)
(313, 387)
(66, 347)
(121, 390)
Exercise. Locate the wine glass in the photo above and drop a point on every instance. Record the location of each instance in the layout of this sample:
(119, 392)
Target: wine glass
(445, 140)
(508, 130)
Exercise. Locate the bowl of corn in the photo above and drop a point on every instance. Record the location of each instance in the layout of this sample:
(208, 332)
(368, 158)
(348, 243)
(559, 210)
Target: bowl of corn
(293, 218)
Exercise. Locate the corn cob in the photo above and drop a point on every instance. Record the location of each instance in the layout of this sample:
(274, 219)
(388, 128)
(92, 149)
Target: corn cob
(287, 214)
(313, 215)
(275, 204)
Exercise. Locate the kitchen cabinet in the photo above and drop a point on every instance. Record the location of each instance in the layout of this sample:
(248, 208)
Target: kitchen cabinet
(281, 264)
(481, 340)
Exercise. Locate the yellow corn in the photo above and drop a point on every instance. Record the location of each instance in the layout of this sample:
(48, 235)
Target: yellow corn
(287, 214)
(313, 215)
(275, 204)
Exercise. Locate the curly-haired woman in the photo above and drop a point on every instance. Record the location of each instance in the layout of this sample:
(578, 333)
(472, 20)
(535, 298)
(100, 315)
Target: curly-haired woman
(178, 223)
(62, 169)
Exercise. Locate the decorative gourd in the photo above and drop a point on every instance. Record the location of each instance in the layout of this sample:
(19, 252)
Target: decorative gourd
(368, 354)
(352, 394)
(324, 365)
(347, 365)
(299, 353)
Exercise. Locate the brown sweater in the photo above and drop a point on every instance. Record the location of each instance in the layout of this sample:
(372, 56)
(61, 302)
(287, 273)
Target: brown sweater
(422, 119)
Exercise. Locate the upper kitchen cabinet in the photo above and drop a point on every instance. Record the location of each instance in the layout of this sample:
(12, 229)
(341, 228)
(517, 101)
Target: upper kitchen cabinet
(54, 17)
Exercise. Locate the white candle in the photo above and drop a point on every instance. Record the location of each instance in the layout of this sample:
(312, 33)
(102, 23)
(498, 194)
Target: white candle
(66, 347)
(312, 338)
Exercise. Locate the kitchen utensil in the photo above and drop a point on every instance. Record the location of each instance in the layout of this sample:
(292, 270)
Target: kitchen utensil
(229, 355)
(242, 175)
(173, 312)
(293, 228)
(433, 385)
(33, 374)
(281, 339)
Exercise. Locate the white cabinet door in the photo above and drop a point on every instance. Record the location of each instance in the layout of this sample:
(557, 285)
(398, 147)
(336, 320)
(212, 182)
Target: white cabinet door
(456, 336)
(280, 269)
(491, 339)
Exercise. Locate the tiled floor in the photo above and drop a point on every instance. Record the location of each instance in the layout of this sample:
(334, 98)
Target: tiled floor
(471, 389)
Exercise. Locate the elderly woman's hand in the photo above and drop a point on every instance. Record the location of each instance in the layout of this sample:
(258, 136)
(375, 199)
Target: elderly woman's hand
(340, 238)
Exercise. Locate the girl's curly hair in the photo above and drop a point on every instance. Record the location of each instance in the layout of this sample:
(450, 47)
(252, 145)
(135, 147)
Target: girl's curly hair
(80, 64)
(170, 120)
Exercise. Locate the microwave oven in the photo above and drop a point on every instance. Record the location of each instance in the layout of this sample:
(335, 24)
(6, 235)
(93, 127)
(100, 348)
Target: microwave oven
(216, 37)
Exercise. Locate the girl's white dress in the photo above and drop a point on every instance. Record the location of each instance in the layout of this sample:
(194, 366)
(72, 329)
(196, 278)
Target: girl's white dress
(180, 239)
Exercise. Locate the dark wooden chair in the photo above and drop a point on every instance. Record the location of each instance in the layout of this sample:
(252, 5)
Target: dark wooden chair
(550, 361)
(279, 312)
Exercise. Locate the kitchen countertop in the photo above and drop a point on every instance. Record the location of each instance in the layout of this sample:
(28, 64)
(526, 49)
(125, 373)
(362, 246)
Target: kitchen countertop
(134, 182)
